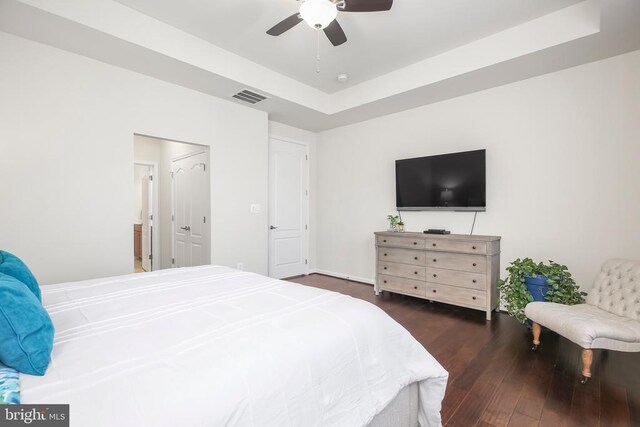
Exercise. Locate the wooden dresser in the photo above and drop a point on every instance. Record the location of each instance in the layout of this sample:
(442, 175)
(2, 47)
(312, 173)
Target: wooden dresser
(455, 268)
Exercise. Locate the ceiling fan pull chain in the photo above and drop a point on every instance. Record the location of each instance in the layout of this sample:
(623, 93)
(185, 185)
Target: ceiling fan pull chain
(318, 54)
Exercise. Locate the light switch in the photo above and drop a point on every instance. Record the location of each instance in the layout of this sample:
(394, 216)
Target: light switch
(256, 208)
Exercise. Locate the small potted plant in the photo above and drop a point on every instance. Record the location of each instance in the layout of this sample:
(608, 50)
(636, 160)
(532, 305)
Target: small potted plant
(393, 222)
(530, 281)
(400, 226)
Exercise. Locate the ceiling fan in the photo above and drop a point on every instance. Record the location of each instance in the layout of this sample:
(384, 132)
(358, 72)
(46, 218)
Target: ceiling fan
(321, 15)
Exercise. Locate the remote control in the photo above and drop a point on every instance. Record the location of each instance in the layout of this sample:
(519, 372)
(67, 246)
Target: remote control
(436, 231)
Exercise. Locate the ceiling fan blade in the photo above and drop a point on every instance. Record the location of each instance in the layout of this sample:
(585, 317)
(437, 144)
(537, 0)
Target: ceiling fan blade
(285, 25)
(366, 5)
(335, 34)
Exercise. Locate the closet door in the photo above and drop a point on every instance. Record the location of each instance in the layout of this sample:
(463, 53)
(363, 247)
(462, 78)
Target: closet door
(190, 177)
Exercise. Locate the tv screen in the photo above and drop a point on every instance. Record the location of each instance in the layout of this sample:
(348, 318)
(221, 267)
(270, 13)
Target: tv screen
(445, 182)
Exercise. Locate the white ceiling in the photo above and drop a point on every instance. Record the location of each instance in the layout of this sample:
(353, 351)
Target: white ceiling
(468, 46)
(378, 43)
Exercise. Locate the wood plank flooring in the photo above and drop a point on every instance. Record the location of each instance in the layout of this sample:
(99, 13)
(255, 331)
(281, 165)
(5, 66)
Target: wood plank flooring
(495, 379)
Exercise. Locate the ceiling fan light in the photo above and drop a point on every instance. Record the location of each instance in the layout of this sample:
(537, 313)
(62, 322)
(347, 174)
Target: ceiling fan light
(318, 13)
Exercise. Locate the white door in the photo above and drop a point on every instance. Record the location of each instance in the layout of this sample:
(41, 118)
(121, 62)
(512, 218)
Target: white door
(190, 210)
(288, 209)
(147, 182)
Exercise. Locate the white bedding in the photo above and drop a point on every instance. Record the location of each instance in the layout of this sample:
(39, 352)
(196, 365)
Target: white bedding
(216, 346)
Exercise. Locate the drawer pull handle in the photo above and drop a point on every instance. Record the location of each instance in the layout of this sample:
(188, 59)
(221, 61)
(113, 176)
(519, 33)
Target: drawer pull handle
(435, 275)
(434, 291)
(435, 260)
(386, 268)
(474, 298)
(415, 257)
(472, 247)
(385, 254)
(474, 264)
(434, 245)
(415, 272)
(474, 280)
(415, 287)
(385, 240)
(415, 243)
(385, 281)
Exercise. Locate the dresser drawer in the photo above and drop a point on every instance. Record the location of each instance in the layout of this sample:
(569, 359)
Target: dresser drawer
(402, 270)
(457, 296)
(457, 246)
(460, 279)
(404, 256)
(461, 262)
(401, 242)
(402, 286)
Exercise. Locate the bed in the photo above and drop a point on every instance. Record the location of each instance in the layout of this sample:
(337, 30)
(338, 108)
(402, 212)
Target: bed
(216, 346)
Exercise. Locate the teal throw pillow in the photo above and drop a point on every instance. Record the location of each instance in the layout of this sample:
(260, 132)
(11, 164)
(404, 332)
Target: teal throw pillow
(26, 330)
(14, 267)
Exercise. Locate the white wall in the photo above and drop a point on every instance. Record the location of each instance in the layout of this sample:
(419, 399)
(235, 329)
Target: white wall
(66, 156)
(290, 133)
(147, 150)
(563, 174)
(568, 139)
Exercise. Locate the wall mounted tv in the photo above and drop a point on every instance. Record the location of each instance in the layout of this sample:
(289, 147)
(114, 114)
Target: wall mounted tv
(454, 182)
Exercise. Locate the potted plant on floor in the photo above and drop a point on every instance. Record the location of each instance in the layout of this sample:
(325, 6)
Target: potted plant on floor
(530, 281)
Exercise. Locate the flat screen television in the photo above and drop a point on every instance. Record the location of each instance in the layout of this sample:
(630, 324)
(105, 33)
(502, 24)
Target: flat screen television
(454, 182)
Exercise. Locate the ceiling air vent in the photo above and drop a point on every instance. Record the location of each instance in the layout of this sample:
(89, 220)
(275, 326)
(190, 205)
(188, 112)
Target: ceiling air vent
(248, 96)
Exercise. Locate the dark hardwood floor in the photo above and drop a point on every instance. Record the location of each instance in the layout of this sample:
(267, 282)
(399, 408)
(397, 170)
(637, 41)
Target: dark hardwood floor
(495, 379)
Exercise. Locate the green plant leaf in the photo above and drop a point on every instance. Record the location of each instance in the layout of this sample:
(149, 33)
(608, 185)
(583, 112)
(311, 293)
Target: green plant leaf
(515, 296)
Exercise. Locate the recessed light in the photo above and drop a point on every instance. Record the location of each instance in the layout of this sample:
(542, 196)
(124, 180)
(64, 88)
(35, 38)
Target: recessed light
(343, 78)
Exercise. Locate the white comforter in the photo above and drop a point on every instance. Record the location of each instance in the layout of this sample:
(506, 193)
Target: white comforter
(214, 346)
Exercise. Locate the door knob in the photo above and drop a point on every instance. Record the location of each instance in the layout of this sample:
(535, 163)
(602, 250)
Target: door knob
(187, 228)
(272, 227)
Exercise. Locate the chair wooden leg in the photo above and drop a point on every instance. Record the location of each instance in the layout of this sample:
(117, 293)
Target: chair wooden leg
(536, 336)
(587, 359)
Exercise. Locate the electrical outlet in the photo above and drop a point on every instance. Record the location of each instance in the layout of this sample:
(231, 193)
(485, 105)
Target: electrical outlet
(255, 208)
(240, 266)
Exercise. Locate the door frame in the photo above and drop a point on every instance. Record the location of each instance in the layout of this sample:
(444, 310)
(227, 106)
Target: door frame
(155, 243)
(198, 150)
(307, 234)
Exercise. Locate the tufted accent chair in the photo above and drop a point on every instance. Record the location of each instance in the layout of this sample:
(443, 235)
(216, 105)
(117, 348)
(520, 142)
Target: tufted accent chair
(609, 319)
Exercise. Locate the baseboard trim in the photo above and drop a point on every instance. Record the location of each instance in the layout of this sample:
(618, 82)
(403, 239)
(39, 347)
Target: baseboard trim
(343, 276)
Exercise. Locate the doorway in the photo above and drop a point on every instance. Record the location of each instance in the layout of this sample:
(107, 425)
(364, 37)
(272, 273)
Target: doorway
(288, 208)
(176, 175)
(145, 206)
